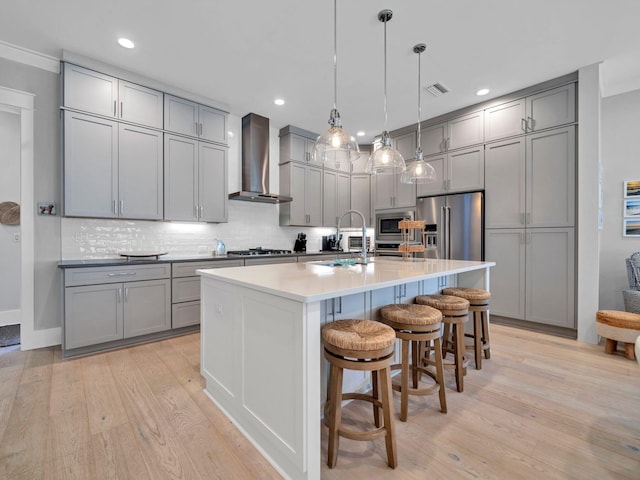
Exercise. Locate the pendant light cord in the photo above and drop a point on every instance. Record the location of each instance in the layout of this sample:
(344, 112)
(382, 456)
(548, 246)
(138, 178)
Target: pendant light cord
(385, 75)
(335, 54)
(419, 104)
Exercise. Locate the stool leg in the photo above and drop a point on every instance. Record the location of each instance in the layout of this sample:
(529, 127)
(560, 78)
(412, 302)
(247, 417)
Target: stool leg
(437, 345)
(376, 394)
(486, 342)
(458, 333)
(415, 350)
(477, 338)
(446, 339)
(335, 412)
(610, 346)
(629, 351)
(404, 381)
(387, 408)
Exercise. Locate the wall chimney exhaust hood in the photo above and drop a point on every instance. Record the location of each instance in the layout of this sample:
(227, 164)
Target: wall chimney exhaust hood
(255, 162)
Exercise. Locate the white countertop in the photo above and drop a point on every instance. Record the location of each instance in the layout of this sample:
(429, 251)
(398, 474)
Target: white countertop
(314, 281)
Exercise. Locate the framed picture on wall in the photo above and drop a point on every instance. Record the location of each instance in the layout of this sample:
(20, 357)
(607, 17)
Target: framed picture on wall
(631, 227)
(632, 189)
(632, 208)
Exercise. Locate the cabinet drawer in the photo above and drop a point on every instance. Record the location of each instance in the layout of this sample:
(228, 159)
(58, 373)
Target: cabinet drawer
(185, 289)
(96, 275)
(188, 269)
(185, 314)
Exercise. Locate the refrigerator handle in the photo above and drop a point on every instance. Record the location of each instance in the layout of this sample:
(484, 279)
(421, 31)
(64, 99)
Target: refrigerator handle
(446, 248)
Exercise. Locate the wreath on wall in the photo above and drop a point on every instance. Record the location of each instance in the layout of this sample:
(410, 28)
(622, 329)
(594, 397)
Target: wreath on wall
(9, 213)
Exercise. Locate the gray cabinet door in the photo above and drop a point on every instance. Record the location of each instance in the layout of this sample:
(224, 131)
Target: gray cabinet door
(361, 196)
(90, 166)
(92, 314)
(329, 198)
(433, 139)
(185, 314)
(551, 108)
(213, 124)
(405, 193)
(505, 184)
(180, 178)
(466, 130)
(140, 104)
(550, 276)
(313, 196)
(406, 145)
(466, 170)
(181, 116)
(212, 183)
(295, 148)
(297, 188)
(147, 307)
(384, 191)
(90, 91)
(439, 164)
(343, 197)
(140, 176)
(506, 120)
(506, 247)
(551, 163)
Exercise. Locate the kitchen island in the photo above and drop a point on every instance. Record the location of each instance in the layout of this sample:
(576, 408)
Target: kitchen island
(261, 345)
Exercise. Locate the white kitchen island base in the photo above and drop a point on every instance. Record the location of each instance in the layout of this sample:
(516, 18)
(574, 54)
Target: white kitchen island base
(261, 346)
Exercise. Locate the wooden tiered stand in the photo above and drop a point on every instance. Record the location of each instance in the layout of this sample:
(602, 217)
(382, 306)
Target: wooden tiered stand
(407, 247)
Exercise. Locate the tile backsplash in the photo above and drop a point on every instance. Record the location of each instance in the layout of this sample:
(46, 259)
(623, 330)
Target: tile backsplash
(250, 225)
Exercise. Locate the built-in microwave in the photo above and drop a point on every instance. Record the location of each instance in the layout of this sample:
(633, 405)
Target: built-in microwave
(387, 229)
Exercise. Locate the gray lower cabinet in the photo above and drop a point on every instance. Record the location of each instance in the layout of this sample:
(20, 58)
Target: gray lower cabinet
(185, 290)
(105, 304)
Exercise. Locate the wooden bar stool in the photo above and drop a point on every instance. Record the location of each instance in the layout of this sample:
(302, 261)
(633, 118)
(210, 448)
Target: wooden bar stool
(414, 325)
(363, 345)
(455, 311)
(479, 305)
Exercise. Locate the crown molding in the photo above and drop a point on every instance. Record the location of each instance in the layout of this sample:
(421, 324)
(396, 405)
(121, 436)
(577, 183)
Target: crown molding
(29, 57)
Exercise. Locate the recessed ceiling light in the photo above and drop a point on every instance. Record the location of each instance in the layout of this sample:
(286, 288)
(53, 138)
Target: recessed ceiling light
(482, 91)
(278, 101)
(125, 42)
(360, 133)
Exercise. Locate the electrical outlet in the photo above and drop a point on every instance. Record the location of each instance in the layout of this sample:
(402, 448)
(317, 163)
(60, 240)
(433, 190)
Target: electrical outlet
(47, 208)
(16, 238)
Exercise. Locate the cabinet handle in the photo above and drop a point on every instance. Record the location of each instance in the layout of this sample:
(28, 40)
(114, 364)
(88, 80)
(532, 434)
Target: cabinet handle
(201, 129)
(120, 274)
(522, 239)
(531, 123)
(115, 106)
(115, 212)
(195, 124)
(121, 207)
(522, 221)
(201, 211)
(527, 218)
(121, 109)
(126, 294)
(120, 295)
(524, 125)
(195, 211)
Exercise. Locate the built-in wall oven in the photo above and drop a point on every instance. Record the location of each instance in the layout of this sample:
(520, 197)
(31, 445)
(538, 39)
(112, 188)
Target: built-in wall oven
(388, 234)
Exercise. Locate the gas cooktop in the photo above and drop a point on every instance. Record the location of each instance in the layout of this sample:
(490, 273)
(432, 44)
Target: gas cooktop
(258, 251)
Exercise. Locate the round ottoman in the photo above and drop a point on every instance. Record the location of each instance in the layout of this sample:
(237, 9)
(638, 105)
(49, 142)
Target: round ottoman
(617, 326)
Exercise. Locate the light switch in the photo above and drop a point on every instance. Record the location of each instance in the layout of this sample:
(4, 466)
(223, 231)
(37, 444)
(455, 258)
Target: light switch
(16, 238)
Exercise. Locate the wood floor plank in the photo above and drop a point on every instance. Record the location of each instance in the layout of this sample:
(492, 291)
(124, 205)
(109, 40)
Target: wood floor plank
(117, 455)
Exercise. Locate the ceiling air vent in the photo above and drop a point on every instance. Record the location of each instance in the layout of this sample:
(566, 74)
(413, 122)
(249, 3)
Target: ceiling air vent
(437, 89)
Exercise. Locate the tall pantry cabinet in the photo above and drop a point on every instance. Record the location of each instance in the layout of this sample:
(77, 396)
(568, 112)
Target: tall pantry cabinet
(530, 207)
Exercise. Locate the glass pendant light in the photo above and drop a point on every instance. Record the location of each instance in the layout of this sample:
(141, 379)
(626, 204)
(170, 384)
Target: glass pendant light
(418, 171)
(385, 159)
(335, 145)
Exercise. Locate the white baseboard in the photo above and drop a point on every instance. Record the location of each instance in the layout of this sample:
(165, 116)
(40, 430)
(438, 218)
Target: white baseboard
(9, 317)
(42, 338)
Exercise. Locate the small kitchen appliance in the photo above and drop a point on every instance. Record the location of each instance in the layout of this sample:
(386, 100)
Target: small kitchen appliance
(301, 243)
(331, 243)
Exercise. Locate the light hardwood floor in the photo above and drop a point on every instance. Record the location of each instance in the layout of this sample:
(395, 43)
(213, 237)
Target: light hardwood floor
(541, 407)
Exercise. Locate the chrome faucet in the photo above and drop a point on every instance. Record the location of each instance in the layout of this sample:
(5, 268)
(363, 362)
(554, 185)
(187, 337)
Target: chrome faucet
(364, 232)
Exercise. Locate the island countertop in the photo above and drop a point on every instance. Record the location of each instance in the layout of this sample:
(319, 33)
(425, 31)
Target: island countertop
(314, 281)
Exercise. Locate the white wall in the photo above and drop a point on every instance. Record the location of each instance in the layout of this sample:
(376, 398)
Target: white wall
(620, 162)
(9, 192)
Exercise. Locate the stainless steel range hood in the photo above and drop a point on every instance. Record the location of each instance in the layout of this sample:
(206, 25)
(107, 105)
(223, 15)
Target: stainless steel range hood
(255, 162)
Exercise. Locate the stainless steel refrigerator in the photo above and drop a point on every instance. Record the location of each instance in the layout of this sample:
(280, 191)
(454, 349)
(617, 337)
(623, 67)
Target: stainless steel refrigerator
(454, 225)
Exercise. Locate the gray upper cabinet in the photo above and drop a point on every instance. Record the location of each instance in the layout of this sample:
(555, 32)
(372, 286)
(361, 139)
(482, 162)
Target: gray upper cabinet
(101, 94)
(336, 198)
(140, 173)
(505, 120)
(189, 118)
(295, 147)
(304, 184)
(405, 145)
(111, 170)
(548, 109)
(458, 132)
(457, 171)
(390, 192)
(90, 166)
(195, 180)
(361, 197)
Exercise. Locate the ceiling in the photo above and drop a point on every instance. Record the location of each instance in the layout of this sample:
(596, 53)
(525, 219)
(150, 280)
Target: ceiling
(246, 53)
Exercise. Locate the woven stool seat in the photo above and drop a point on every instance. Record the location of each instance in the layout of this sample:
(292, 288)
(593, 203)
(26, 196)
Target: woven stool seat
(617, 326)
(471, 294)
(358, 335)
(411, 314)
(479, 307)
(362, 345)
(418, 327)
(443, 302)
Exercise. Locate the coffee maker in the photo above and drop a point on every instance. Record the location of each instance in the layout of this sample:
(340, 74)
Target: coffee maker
(330, 243)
